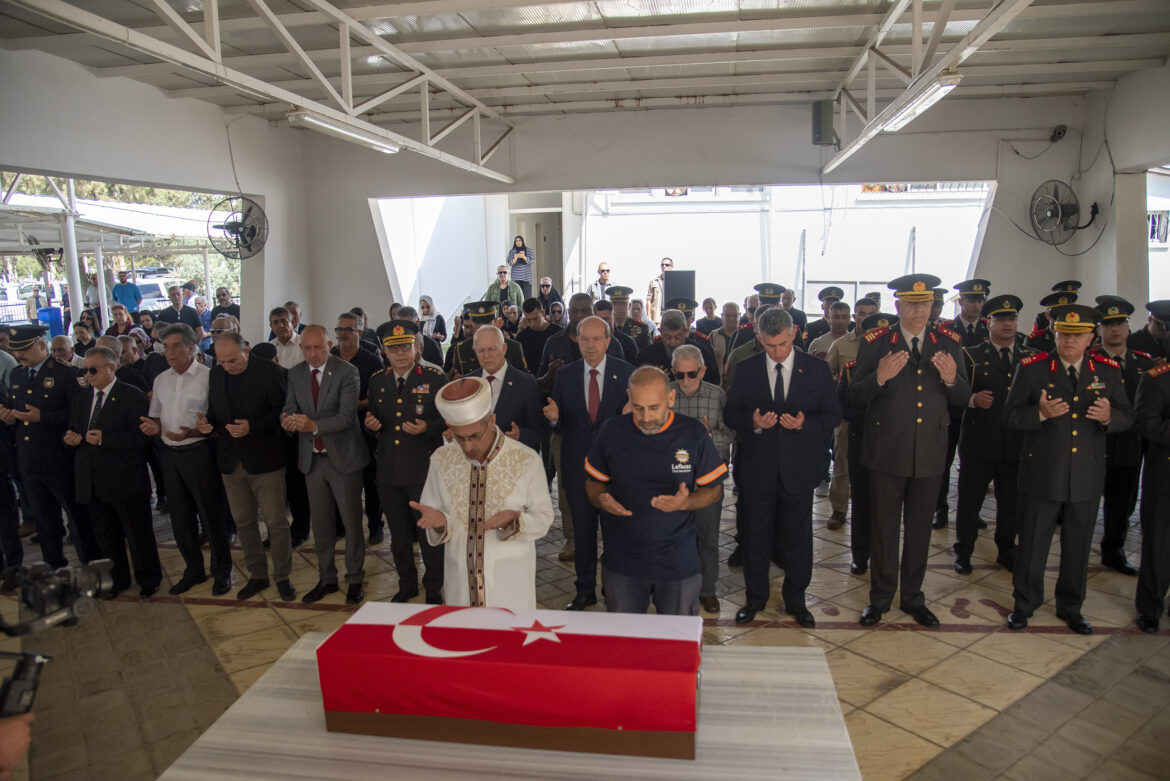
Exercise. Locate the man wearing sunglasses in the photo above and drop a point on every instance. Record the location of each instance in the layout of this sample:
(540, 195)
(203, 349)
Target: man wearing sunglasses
(224, 304)
(599, 290)
(654, 299)
(110, 471)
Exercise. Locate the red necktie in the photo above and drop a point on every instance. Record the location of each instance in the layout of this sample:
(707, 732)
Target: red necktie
(594, 396)
(318, 443)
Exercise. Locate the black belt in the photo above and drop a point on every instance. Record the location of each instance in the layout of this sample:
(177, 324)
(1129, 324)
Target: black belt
(192, 446)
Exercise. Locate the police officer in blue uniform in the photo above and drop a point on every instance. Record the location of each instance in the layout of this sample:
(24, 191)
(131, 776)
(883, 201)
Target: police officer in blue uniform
(42, 392)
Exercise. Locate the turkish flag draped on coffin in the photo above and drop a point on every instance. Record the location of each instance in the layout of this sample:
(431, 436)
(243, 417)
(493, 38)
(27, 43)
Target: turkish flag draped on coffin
(529, 667)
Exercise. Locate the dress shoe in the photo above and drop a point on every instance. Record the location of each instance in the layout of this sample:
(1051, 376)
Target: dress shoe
(405, 594)
(1007, 560)
(962, 565)
(319, 591)
(1147, 624)
(146, 592)
(710, 604)
(870, 616)
(267, 543)
(822, 489)
(253, 587)
(1076, 622)
(836, 521)
(112, 594)
(186, 583)
(736, 557)
(940, 520)
(221, 586)
(286, 590)
(1016, 621)
(980, 523)
(27, 529)
(298, 542)
(434, 598)
(568, 553)
(858, 569)
(582, 601)
(377, 536)
(803, 618)
(1122, 566)
(354, 594)
(923, 616)
(745, 615)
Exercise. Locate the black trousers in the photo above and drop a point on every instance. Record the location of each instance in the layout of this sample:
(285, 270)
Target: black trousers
(859, 502)
(586, 519)
(974, 475)
(954, 428)
(154, 459)
(297, 493)
(373, 498)
(1120, 500)
(900, 503)
(1038, 520)
(194, 490)
(525, 288)
(129, 523)
(402, 521)
(1154, 574)
(778, 524)
(11, 549)
(48, 494)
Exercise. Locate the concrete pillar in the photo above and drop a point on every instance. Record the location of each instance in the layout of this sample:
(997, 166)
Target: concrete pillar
(104, 306)
(1131, 238)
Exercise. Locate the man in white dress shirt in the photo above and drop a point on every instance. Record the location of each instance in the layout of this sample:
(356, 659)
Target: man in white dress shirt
(286, 340)
(490, 545)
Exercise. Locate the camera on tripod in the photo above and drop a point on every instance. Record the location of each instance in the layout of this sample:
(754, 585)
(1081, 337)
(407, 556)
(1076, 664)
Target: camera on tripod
(56, 597)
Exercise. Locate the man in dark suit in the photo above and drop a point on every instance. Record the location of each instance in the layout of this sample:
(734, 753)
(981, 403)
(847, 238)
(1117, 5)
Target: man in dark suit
(1064, 403)
(403, 416)
(1123, 449)
(988, 449)
(321, 405)
(110, 470)
(368, 362)
(783, 406)
(586, 393)
(481, 313)
(515, 395)
(1152, 416)
(244, 398)
(905, 377)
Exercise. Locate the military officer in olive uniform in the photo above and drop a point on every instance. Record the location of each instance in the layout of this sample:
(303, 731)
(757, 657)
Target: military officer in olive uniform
(42, 393)
(409, 428)
(1152, 414)
(971, 324)
(1154, 337)
(827, 297)
(638, 330)
(989, 451)
(1123, 449)
(465, 361)
(904, 379)
(1064, 403)
(1042, 337)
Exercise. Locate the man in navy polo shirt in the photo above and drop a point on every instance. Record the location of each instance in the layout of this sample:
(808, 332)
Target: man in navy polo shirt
(648, 472)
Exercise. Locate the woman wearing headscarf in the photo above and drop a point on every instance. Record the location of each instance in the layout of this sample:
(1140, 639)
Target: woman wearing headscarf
(142, 340)
(521, 260)
(556, 314)
(549, 295)
(431, 321)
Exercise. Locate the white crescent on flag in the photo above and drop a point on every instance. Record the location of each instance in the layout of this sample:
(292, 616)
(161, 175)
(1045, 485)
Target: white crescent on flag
(407, 635)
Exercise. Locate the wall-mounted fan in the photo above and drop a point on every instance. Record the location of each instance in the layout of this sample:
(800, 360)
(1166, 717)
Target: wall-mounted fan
(237, 227)
(1055, 211)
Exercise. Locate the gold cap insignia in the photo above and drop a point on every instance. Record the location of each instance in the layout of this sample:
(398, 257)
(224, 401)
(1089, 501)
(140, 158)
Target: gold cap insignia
(1072, 317)
(919, 286)
(978, 288)
(1062, 300)
(1113, 311)
(398, 330)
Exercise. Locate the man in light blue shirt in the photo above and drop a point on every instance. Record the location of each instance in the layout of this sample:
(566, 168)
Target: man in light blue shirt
(127, 294)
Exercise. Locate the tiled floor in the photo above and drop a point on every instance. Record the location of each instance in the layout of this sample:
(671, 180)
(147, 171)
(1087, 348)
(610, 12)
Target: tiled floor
(968, 700)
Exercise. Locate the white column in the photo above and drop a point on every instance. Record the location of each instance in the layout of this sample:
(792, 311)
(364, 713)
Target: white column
(72, 272)
(208, 293)
(104, 306)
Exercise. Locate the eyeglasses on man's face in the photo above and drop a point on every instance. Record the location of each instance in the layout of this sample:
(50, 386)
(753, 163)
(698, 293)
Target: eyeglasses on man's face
(689, 375)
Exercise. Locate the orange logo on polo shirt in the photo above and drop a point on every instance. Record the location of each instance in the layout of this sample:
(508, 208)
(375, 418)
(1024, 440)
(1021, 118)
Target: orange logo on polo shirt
(682, 462)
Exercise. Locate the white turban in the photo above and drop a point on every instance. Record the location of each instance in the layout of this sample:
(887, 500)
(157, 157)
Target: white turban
(465, 401)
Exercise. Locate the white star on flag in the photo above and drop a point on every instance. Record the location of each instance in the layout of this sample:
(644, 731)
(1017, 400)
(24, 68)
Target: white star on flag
(538, 631)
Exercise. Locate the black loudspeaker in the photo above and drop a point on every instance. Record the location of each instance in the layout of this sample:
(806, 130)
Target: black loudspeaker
(822, 123)
(678, 284)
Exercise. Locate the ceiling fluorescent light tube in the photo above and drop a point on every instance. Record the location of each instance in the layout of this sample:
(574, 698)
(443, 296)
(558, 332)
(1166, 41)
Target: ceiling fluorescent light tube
(337, 130)
(927, 98)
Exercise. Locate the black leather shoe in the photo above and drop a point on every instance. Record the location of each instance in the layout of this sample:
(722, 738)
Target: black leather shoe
(405, 595)
(221, 586)
(319, 592)
(163, 506)
(185, 584)
(582, 601)
(267, 543)
(858, 569)
(962, 565)
(286, 590)
(1076, 622)
(434, 598)
(146, 592)
(377, 536)
(298, 542)
(803, 618)
(745, 615)
(354, 594)
(112, 594)
(923, 616)
(940, 519)
(253, 587)
(1147, 625)
(736, 557)
(980, 523)
(1122, 566)
(1016, 621)
(870, 616)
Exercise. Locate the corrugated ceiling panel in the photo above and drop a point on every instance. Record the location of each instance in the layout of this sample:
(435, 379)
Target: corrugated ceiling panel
(622, 9)
(500, 20)
(835, 36)
(1087, 25)
(412, 28)
(559, 51)
(491, 82)
(677, 43)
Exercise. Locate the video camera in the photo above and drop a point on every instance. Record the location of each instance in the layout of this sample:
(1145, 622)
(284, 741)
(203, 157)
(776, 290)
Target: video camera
(56, 597)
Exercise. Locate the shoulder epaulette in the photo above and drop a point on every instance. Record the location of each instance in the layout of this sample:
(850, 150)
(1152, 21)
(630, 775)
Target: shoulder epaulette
(701, 335)
(954, 337)
(1037, 332)
(1140, 354)
(1107, 361)
(875, 333)
(746, 326)
(658, 338)
(1031, 359)
(1161, 368)
(850, 364)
